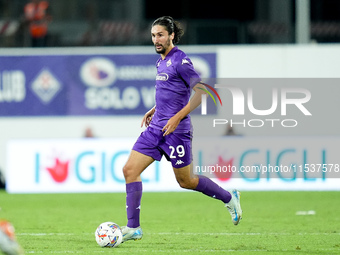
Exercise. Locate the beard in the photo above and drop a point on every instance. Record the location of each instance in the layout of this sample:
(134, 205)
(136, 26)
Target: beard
(163, 48)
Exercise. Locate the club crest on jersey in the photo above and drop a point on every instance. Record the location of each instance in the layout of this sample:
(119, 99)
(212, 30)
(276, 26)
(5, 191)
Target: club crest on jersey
(168, 63)
(185, 61)
(162, 77)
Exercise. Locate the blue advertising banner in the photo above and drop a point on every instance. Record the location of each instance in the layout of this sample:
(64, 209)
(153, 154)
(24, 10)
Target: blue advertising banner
(117, 84)
(33, 86)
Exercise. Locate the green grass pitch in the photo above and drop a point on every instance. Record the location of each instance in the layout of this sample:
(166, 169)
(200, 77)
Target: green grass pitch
(178, 223)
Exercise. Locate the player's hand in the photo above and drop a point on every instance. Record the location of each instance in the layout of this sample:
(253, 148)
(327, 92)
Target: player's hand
(147, 118)
(171, 125)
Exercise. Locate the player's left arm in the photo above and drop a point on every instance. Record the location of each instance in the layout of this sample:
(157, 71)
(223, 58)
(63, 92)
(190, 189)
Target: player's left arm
(194, 102)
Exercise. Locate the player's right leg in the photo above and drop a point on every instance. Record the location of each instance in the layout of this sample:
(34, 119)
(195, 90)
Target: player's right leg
(136, 164)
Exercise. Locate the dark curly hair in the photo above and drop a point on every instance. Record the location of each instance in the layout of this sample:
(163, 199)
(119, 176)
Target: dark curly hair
(171, 26)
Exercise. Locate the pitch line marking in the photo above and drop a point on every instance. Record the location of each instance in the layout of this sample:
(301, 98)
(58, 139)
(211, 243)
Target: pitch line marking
(184, 233)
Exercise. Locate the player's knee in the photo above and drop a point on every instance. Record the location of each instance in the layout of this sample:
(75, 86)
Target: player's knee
(186, 184)
(127, 171)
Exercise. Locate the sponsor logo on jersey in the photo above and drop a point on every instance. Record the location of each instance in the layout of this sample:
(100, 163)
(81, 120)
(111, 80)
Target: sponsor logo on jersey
(162, 77)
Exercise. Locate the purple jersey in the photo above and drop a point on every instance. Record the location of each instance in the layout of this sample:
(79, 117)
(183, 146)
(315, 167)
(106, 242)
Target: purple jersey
(175, 78)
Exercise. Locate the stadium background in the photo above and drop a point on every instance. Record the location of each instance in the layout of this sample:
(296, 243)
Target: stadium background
(95, 78)
(46, 107)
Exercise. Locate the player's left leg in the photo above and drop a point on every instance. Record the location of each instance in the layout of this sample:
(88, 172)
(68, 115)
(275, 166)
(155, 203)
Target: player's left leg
(177, 149)
(188, 180)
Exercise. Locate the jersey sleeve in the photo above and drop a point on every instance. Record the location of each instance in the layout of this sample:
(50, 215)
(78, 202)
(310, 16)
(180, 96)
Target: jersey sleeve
(186, 70)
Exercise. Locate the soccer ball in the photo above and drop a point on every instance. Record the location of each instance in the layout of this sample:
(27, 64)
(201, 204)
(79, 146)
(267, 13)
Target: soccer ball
(108, 234)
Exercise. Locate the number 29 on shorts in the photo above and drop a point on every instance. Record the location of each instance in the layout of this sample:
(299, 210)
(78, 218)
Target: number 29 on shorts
(179, 150)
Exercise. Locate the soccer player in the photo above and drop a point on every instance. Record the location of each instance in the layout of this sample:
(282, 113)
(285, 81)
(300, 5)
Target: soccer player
(168, 129)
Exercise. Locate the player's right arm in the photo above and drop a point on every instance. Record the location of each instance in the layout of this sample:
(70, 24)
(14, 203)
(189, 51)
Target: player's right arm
(148, 117)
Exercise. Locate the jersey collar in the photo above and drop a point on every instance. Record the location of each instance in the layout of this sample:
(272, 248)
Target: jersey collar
(171, 52)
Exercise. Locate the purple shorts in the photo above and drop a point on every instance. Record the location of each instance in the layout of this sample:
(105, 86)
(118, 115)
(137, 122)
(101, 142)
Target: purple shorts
(176, 147)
